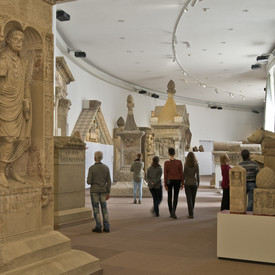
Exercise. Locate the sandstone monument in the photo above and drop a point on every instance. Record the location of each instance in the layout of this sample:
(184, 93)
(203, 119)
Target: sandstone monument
(238, 201)
(29, 245)
(171, 127)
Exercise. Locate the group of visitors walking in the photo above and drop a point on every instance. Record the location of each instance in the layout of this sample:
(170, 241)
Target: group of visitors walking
(176, 177)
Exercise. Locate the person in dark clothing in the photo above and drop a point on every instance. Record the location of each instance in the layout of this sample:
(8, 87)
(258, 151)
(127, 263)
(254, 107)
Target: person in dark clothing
(191, 176)
(173, 180)
(225, 204)
(154, 173)
(252, 170)
(100, 181)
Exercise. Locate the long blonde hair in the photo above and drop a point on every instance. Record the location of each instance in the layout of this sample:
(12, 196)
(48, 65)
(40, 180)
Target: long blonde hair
(191, 160)
(224, 159)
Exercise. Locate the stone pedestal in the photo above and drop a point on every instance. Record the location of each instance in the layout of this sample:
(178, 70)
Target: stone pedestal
(69, 182)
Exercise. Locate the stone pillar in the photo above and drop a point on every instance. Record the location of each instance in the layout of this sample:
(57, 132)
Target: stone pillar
(69, 182)
(128, 138)
(28, 243)
(238, 201)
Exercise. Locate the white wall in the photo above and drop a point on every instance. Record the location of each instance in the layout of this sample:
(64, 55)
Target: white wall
(205, 123)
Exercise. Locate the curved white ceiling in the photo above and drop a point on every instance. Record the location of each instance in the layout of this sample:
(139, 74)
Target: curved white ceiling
(148, 42)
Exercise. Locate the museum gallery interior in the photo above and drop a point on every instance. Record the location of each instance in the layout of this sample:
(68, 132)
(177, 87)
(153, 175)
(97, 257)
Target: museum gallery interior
(126, 78)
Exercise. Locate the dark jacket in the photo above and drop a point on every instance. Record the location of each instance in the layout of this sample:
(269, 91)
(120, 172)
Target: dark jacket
(154, 174)
(99, 178)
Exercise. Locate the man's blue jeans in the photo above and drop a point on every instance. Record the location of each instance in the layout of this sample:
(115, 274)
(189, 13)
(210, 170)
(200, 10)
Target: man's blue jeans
(139, 186)
(250, 186)
(97, 198)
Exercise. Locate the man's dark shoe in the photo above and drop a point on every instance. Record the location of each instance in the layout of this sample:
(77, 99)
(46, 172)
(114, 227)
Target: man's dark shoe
(97, 230)
(135, 201)
(173, 216)
(106, 230)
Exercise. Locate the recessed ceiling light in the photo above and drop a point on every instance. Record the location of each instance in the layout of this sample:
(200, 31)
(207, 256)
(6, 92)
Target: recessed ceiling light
(223, 42)
(189, 54)
(219, 53)
(244, 10)
(204, 50)
(122, 37)
(205, 9)
(221, 62)
(230, 29)
(128, 51)
(120, 21)
(137, 62)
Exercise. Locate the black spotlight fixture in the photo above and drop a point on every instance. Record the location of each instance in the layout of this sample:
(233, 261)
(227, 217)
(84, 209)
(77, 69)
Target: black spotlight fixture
(262, 58)
(62, 15)
(143, 92)
(213, 107)
(219, 108)
(256, 66)
(255, 111)
(79, 54)
(154, 95)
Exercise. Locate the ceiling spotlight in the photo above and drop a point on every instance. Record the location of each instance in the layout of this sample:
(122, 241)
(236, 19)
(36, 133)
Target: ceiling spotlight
(213, 107)
(186, 43)
(262, 58)
(142, 92)
(62, 15)
(256, 66)
(231, 95)
(216, 90)
(185, 10)
(219, 108)
(77, 53)
(154, 95)
(204, 86)
(255, 111)
(184, 73)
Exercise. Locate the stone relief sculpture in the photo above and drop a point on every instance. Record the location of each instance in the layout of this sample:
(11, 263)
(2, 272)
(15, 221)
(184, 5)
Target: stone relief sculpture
(15, 107)
(237, 177)
(171, 127)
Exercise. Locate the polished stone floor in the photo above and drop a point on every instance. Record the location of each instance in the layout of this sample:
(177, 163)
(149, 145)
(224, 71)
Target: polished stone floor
(141, 244)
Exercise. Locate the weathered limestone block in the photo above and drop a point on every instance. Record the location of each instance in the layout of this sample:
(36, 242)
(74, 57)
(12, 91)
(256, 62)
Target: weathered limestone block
(69, 184)
(266, 178)
(238, 202)
(264, 202)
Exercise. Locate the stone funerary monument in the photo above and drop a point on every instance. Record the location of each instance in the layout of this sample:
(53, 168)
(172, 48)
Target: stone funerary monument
(28, 243)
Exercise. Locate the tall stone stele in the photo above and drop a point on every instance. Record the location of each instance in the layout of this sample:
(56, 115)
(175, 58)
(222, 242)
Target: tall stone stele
(28, 243)
(170, 124)
(127, 144)
(237, 178)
